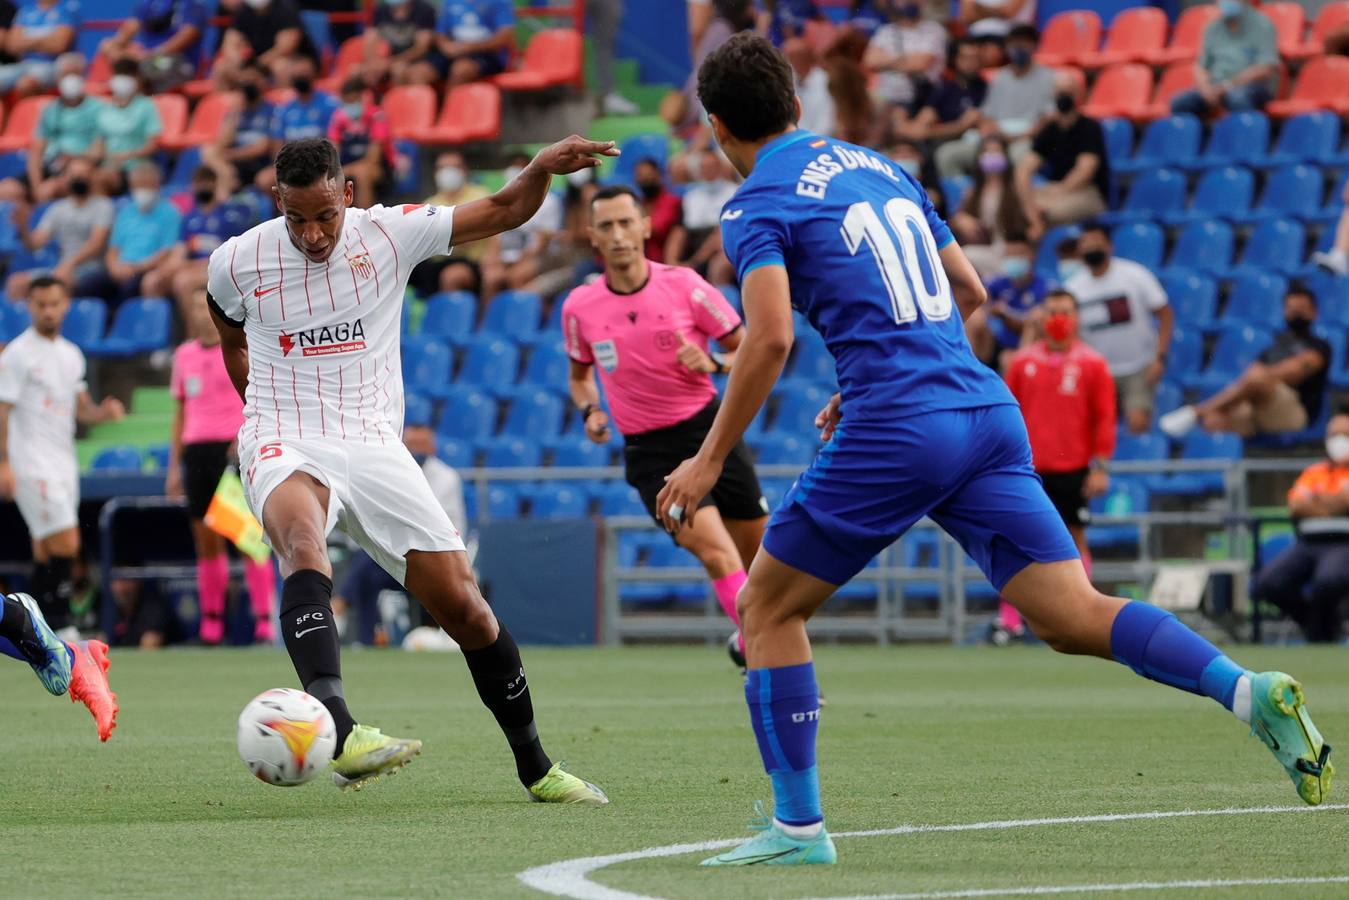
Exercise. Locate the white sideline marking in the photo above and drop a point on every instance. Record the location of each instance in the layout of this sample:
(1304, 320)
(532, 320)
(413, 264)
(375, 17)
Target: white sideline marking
(570, 877)
(1103, 888)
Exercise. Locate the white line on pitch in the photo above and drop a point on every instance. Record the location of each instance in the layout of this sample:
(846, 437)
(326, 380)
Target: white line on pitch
(1043, 890)
(570, 877)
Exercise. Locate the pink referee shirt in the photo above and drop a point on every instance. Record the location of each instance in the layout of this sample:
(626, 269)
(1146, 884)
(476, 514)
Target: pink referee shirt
(633, 340)
(212, 410)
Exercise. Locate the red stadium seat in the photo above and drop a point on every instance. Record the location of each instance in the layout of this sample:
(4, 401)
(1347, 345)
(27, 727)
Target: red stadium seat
(472, 112)
(1290, 20)
(350, 56)
(172, 117)
(410, 109)
(1134, 35)
(96, 79)
(1067, 36)
(1320, 85)
(1331, 17)
(22, 123)
(1187, 36)
(1120, 92)
(205, 123)
(553, 58)
(1175, 78)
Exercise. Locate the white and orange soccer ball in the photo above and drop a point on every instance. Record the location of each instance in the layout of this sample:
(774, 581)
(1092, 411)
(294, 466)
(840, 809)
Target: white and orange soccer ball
(286, 737)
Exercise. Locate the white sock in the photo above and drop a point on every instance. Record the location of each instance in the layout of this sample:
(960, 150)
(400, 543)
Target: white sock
(803, 832)
(1241, 700)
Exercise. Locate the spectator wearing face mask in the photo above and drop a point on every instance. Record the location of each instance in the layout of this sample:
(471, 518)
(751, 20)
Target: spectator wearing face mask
(536, 248)
(145, 234)
(408, 29)
(363, 140)
(66, 130)
(1015, 294)
(994, 19)
(164, 38)
(128, 127)
(1310, 578)
(242, 147)
(906, 56)
(1238, 65)
(666, 211)
(307, 115)
(268, 31)
(79, 223)
(473, 40)
(952, 108)
(1280, 392)
(461, 270)
(1069, 151)
(991, 210)
(208, 222)
(41, 32)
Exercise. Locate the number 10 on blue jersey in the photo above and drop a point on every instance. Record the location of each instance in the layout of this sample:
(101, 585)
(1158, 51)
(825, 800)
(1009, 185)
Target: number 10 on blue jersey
(910, 268)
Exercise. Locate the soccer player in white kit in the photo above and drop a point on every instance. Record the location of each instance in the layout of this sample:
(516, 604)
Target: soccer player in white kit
(309, 307)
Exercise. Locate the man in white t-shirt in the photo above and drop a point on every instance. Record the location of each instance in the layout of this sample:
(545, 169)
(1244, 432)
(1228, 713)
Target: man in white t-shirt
(1125, 317)
(309, 307)
(904, 52)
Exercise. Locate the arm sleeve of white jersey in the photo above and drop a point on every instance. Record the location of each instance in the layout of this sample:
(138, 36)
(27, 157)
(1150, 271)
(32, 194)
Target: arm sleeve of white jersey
(82, 386)
(223, 293)
(1153, 292)
(11, 377)
(417, 230)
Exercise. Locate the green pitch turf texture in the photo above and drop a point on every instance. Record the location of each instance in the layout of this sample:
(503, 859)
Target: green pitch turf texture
(910, 735)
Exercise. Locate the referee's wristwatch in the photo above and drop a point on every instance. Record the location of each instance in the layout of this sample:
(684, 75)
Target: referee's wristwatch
(587, 411)
(719, 363)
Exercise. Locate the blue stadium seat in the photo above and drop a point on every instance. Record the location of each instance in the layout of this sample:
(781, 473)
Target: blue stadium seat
(1142, 242)
(1148, 447)
(620, 499)
(506, 451)
(84, 322)
(466, 413)
(1046, 257)
(1237, 139)
(1223, 193)
(954, 189)
(559, 501)
(1276, 245)
(1169, 396)
(426, 365)
(1291, 192)
(1119, 144)
(157, 455)
(450, 316)
(798, 409)
(1173, 141)
(778, 448)
(1203, 246)
(504, 500)
(1186, 353)
(117, 458)
(1199, 444)
(667, 555)
(1256, 298)
(14, 320)
(416, 411)
(1309, 138)
(1237, 347)
(1192, 296)
(489, 363)
(921, 549)
(139, 326)
(514, 313)
(1152, 194)
(548, 367)
(536, 415)
(635, 149)
(583, 453)
(1128, 495)
(456, 454)
(180, 176)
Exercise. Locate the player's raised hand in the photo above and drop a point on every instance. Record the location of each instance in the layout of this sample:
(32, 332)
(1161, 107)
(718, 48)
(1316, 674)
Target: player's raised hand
(684, 489)
(573, 154)
(597, 426)
(829, 417)
(693, 357)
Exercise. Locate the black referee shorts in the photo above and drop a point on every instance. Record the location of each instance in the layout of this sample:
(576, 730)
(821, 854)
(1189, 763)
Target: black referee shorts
(203, 464)
(1065, 492)
(650, 456)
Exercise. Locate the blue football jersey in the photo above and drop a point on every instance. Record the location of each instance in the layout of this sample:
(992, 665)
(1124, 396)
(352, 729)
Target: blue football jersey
(204, 231)
(859, 240)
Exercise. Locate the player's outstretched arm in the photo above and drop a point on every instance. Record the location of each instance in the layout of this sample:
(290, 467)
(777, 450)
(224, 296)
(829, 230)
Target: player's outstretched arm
(517, 202)
(234, 347)
(966, 286)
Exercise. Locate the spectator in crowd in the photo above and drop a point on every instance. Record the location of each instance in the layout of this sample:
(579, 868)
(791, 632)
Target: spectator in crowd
(269, 31)
(1068, 400)
(242, 148)
(1125, 317)
(42, 31)
(1238, 65)
(67, 130)
(952, 108)
(1069, 151)
(999, 327)
(681, 108)
(995, 19)
(1020, 96)
(702, 203)
(307, 115)
(1281, 391)
(79, 223)
(128, 127)
(474, 39)
(164, 37)
(1336, 259)
(1310, 578)
(7, 11)
(364, 140)
(855, 118)
(666, 211)
(906, 55)
(462, 270)
(408, 29)
(144, 237)
(818, 113)
(1067, 261)
(523, 254)
(604, 17)
(991, 211)
(209, 222)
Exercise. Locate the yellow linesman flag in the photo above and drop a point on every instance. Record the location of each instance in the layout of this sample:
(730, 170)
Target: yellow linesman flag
(229, 516)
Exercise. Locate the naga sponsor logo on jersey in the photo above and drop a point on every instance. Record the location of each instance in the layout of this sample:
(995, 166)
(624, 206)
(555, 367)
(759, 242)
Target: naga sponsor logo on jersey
(362, 264)
(815, 177)
(344, 337)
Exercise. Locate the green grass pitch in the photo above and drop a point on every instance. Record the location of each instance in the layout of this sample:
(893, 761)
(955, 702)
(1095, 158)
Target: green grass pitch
(927, 735)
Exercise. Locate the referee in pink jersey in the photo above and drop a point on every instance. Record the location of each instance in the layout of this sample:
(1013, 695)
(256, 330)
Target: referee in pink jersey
(647, 327)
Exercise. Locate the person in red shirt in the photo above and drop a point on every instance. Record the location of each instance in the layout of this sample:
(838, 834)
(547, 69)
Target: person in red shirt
(1068, 400)
(669, 239)
(365, 140)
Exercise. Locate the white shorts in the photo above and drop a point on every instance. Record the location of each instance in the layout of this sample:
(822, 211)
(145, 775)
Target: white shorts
(376, 494)
(48, 504)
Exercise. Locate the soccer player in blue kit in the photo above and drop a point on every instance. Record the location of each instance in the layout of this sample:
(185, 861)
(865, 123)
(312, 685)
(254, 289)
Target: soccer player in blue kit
(920, 428)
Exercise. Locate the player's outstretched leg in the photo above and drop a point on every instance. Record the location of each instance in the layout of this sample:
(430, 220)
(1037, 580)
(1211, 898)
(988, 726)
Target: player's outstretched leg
(444, 583)
(31, 640)
(784, 709)
(1073, 617)
(89, 685)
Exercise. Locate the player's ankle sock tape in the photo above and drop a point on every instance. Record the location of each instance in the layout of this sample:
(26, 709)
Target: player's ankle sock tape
(784, 710)
(17, 628)
(311, 640)
(499, 676)
(727, 587)
(1156, 645)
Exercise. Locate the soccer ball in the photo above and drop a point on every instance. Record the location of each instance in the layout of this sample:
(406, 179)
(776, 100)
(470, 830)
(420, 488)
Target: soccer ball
(286, 736)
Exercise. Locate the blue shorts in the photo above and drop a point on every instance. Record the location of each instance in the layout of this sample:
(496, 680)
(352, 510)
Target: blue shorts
(968, 469)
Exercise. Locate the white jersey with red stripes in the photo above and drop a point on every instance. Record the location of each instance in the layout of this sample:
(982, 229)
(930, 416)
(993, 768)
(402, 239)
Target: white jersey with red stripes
(323, 338)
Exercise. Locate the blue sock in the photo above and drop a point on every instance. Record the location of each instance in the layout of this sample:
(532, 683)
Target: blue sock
(1156, 645)
(784, 708)
(10, 650)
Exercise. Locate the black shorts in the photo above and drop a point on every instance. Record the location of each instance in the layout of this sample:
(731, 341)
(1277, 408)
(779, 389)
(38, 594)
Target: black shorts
(650, 456)
(1065, 492)
(203, 464)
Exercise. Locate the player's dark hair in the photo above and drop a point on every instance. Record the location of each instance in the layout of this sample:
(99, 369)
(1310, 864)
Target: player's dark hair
(1300, 289)
(45, 281)
(747, 84)
(1095, 228)
(1023, 32)
(610, 191)
(306, 161)
(1062, 292)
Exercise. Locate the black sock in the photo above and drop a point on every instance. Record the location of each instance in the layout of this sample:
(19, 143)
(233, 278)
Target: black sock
(51, 588)
(17, 626)
(311, 640)
(499, 677)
